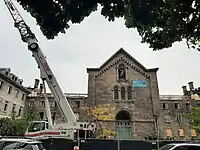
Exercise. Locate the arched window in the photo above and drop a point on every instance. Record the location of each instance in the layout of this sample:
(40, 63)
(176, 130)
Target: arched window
(116, 92)
(129, 93)
(121, 72)
(122, 92)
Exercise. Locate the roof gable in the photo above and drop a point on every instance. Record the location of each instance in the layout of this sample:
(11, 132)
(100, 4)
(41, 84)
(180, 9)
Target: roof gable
(122, 51)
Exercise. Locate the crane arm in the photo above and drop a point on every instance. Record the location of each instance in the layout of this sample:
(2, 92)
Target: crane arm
(45, 70)
(19, 23)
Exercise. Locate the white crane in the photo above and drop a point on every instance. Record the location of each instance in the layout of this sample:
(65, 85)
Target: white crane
(43, 129)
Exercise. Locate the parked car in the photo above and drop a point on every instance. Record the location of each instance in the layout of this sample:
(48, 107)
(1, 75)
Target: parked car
(181, 146)
(20, 144)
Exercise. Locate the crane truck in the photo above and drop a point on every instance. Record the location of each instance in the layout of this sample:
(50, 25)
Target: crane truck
(45, 129)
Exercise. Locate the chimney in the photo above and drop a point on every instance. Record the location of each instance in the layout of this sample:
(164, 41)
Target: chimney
(36, 84)
(191, 86)
(184, 90)
(41, 88)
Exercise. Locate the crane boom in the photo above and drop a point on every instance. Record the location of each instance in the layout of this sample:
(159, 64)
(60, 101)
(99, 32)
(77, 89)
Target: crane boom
(28, 37)
(19, 23)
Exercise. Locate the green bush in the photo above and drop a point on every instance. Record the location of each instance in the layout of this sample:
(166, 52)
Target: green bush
(15, 126)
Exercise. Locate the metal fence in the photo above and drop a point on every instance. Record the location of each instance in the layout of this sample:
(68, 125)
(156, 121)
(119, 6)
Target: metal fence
(97, 144)
(106, 144)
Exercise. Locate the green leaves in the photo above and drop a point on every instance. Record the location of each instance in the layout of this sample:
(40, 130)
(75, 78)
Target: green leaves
(12, 127)
(160, 23)
(6, 127)
(16, 126)
(194, 116)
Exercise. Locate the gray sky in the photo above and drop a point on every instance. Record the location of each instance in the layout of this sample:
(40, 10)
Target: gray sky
(89, 44)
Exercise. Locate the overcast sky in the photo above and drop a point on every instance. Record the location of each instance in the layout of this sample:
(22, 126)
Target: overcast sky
(89, 44)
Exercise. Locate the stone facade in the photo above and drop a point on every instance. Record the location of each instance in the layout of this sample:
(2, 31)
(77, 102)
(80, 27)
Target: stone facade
(36, 102)
(146, 112)
(115, 82)
(173, 109)
(12, 94)
(128, 93)
(174, 123)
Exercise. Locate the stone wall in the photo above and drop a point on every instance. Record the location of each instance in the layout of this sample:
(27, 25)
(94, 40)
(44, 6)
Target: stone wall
(144, 103)
(77, 101)
(12, 94)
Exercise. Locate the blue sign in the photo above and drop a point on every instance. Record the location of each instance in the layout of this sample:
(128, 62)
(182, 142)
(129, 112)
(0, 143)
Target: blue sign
(139, 83)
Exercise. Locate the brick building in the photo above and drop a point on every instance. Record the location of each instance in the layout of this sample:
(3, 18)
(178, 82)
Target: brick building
(12, 94)
(130, 92)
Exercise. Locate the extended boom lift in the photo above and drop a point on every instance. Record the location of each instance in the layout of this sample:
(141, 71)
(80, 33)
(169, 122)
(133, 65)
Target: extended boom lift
(43, 129)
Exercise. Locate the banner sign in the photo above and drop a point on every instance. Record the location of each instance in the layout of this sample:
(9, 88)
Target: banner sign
(139, 83)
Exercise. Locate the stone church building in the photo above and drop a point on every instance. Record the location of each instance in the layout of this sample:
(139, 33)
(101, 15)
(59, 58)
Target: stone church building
(131, 88)
(130, 93)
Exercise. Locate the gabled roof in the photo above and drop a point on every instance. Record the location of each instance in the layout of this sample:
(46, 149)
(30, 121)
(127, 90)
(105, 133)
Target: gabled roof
(122, 51)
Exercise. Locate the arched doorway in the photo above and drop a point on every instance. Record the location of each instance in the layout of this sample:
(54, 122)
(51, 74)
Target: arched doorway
(123, 125)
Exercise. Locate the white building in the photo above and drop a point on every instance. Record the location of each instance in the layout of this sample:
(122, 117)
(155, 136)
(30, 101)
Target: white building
(12, 94)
